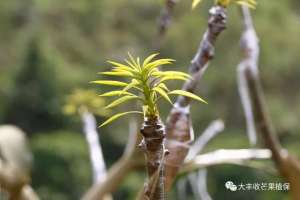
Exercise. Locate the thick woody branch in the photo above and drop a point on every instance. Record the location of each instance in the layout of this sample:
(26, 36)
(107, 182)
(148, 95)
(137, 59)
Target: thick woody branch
(178, 127)
(287, 165)
(154, 149)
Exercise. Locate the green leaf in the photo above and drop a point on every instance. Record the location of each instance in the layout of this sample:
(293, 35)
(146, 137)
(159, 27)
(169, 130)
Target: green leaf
(187, 94)
(121, 100)
(195, 3)
(167, 78)
(115, 93)
(149, 58)
(163, 86)
(112, 83)
(163, 94)
(116, 73)
(250, 4)
(171, 73)
(157, 63)
(134, 83)
(116, 116)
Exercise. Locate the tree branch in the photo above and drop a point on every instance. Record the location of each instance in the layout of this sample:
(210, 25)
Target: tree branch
(225, 156)
(288, 166)
(179, 125)
(164, 22)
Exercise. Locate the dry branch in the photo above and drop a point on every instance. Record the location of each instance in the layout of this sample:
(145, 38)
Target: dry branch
(164, 22)
(225, 156)
(288, 166)
(178, 127)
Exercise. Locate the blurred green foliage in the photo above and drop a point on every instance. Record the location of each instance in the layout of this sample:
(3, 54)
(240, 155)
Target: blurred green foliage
(50, 47)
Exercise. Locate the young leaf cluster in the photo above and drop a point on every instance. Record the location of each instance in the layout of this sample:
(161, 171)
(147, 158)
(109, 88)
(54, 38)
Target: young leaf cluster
(146, 84)
(225, 3)
(81, 100)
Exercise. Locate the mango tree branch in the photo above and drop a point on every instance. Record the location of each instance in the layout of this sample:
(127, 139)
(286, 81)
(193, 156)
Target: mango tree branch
(95, 150)
(225, 156)
(198, 180)
(179, 131)
(214, 128)
(130, 160)
(164, 22)
(288, 166)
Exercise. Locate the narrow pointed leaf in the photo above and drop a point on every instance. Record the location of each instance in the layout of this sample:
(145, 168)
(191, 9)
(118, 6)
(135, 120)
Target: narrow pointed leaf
(112, 83)
(121, 100)
(116, 73)
(195, 3)
(116, 116)
(163, 94)
(115, 93)
(187, 94)
(149, 58)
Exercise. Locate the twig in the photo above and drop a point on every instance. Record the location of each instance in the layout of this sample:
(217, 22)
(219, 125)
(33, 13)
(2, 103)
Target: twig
(202, 185)
(95, 150)
(210, 132)
(96, 155)
(225, 156)
(129, 161)
(198, 180)
(164, 22)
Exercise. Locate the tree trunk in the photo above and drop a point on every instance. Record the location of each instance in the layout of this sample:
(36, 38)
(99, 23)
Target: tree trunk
(153, 146)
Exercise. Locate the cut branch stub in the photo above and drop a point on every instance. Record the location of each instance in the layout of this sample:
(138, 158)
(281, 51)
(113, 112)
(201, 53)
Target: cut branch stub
(153, 145)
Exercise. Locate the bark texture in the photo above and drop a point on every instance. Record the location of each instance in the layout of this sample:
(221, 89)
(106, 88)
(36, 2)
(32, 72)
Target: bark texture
(288, 165)
(179, 132)
(153, 146)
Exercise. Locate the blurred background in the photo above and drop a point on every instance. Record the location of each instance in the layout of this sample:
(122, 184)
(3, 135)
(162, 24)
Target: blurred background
(48, 48)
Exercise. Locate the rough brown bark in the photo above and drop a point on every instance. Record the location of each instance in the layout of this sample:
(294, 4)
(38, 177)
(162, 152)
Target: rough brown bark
(153, 146)
(179, 132)
(288, 165)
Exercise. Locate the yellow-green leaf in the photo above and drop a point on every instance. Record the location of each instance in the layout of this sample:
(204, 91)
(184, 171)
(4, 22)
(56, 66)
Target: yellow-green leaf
(247, 3)
(187, 94)
(163, 94)
(166, 78)
(149, 58)
(112, 83)
(163, 86)
(121, 100)
(171, 73)
(116, 73)
(116, 116)
(115, 93)
(133, 83)
(195, 3)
